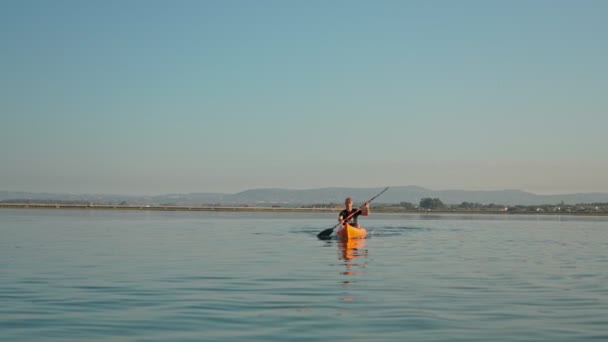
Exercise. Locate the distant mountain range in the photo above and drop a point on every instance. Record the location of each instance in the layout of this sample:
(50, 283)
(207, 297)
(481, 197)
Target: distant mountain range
(286, 197)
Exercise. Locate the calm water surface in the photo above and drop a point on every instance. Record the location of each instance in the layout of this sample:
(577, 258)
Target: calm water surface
(201, 276)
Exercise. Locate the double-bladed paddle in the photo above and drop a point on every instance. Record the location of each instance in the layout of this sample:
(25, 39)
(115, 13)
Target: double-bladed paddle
(324, 235)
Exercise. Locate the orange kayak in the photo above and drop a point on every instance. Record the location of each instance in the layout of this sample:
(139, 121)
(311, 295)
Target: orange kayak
(349, 232)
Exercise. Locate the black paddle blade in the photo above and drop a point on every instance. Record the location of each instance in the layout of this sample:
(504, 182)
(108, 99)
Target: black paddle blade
(325, 235)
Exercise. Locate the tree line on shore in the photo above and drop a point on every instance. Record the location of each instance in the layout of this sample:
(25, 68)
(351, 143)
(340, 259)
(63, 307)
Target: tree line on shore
(430, 204)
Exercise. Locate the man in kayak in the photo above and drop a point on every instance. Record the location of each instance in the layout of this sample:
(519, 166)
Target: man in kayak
(353, 213)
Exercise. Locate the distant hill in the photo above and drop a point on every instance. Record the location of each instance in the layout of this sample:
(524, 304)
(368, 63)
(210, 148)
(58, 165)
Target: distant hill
(286, 197)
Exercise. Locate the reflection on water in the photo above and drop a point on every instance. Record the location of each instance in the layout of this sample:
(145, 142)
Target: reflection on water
(354, 254)
(352, 249)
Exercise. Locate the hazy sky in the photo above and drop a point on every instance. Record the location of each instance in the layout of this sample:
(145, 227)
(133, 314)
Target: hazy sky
(149, 97)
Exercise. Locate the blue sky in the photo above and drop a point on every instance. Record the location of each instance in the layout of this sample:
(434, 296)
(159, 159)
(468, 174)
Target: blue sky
(149, 97)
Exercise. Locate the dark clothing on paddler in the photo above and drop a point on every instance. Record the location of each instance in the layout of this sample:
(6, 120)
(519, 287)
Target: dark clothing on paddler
(353, 219)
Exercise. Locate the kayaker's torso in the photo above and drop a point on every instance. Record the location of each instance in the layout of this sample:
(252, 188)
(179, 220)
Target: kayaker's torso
(353, 219)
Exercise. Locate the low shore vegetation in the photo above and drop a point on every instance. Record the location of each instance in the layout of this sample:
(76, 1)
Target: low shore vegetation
(425, 206)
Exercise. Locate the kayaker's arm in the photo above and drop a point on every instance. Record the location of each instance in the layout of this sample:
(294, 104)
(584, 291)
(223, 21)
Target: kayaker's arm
(366, 212)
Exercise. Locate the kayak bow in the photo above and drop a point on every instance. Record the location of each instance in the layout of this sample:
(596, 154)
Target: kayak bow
(349, 232)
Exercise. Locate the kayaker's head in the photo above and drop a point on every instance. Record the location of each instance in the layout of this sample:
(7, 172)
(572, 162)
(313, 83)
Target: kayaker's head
(348, 202)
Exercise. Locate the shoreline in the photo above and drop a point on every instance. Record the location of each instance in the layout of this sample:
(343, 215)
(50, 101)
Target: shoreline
(379, 210)
(160, 207)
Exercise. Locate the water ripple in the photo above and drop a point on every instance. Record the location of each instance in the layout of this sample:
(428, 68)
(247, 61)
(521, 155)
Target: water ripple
(192, 276)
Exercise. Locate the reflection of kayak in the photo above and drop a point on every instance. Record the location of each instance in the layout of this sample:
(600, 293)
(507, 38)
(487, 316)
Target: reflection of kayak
(352, 249)
(349, 232)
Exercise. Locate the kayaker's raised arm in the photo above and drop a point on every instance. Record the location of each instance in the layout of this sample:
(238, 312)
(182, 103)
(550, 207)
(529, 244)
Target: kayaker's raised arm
(366, 212)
